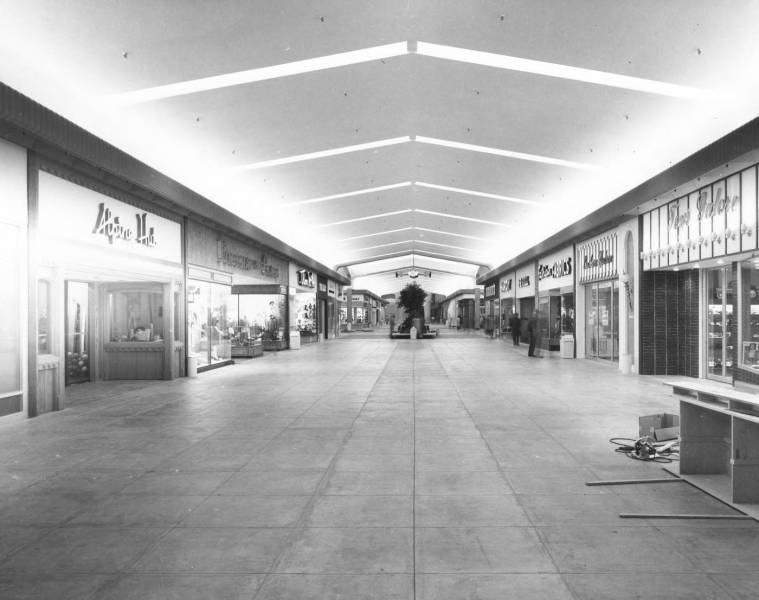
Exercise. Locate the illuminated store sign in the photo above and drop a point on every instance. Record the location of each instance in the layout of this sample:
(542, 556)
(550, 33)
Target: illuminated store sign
(598, 259)
(524, 281)
(306, 278)
(490, 290)
(235, 260)
(506, 285)
(559, 268)
(112, 228)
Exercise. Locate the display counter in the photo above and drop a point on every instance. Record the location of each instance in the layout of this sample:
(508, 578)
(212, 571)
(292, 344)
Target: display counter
(138, 360)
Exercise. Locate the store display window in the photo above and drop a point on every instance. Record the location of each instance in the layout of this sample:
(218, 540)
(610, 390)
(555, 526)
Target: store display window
(43, 316)
(721, 310)
(135, 314)
(10, 329)
(750, 315)
(304, 315)
(602, 320)
(210, 322)
(258, 318)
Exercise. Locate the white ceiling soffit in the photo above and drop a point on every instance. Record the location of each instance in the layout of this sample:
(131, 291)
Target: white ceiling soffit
(443, 130)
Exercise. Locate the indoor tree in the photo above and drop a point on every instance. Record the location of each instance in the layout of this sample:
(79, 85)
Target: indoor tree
(412, 300)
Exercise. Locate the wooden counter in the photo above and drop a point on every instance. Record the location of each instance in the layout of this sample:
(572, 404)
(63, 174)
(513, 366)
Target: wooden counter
(137, 360)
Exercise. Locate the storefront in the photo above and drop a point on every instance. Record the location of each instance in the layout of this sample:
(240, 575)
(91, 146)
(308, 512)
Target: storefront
(13, 292)
(507, 293)
(700, 260)
(237, 297)
(109, 280)
(556, 298)
(492, 308)
(525, 294)
(303, 308)
(598, 281)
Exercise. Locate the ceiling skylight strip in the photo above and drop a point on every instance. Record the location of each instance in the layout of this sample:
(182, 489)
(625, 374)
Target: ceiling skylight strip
(380, 188)
(298, 67)
(366, 235)
(323, 153)
(506, 153)
(473, 220)
(370, 217)
(537, 67)
(468, 192)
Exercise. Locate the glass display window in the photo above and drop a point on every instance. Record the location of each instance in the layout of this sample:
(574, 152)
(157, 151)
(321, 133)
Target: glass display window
(210, 322)
(77, 332)
(304, 314)
(602, 320)
(135, 313)
(721, 309)
(259, 317)
(43, 317)
(10, 299)
(749, 314)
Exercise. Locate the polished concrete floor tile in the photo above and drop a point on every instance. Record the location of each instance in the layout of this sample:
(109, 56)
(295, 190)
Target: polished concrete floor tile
(739, 586)
(350, 550)
(456, 483)
(450, 461)
(247, 511)
(468, 511)
(481, 550)
(13, 538)
(544, 481)
(268, 460)
(166, 586)
(716, 549)
(42, 509)
(655, 586)
(215, 550)
(492, 587)
(67, 586)
(336, 587)
(372, 483)
(362, 511)
(85, 549)
(592, 509)
(177, 483)
(272, 483)
(374, 462)
(138, 511)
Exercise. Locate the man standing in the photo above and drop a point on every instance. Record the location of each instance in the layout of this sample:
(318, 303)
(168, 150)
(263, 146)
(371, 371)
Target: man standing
(532, 332)
(515, 324)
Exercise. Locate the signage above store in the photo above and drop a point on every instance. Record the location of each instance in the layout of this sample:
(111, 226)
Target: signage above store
(357, 298)
(598, 258)
(331, 288)
(242, 262)
(506, 285)
(490, 290)
(112, 228)
(306, 278)
(559, 268)
(524, 281)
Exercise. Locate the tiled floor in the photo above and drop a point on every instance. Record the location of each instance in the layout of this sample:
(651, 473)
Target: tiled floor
(360, 468)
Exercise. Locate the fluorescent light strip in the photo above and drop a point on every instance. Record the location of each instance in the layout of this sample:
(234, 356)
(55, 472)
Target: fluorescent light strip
(449, 256)
(298, 67)
(446, 245)
(382, 245)
(506, 153)
(388, 232)
(388, 214)
(549, 69)
(323, 153)
(381, 188)
(461, 235)
(439, 214)
(446, 188)
(365, 259)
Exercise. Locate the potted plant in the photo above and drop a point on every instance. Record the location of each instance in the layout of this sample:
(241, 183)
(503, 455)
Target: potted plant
(412, 300)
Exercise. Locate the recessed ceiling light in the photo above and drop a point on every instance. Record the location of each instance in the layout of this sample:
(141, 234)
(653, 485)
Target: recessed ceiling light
(473, 192)
(537, 67)
(380, 188)
(260, 74)
(323, 153)
(506, 153)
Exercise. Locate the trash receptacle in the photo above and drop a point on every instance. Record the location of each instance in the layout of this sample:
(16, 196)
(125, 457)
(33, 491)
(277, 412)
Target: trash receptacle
(192, 366)
(294, 339)
(567, 346)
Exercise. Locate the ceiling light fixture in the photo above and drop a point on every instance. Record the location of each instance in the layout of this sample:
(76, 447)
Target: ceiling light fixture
(460, 218)
(549, 69)
(505, 153)
(380, 188)
(323, 153)
(386, 232)
(469, 192)
(461, 235)
(379, 216)
(297, 67)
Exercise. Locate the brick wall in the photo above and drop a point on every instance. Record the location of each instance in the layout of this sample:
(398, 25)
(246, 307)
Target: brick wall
(669, 323)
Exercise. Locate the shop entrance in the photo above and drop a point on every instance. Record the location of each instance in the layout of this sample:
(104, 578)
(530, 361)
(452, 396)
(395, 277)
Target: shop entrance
(323, 318)
(721, 299)
(77, 332)
(602, 320)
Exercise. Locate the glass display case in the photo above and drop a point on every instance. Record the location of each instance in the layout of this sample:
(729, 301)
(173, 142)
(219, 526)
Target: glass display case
(304, 316)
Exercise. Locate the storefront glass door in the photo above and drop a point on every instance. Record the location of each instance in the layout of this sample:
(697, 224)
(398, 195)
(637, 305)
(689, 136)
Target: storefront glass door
(602, 321)
(719, 322)
(77, 332)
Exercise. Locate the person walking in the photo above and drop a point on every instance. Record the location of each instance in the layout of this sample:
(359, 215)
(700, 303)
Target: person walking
(515, 324)
(532, 333)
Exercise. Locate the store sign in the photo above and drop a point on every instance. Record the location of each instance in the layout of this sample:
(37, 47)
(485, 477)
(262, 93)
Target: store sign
(236, 260)
(506, 285)
(598, 258)
(490, 290)
(555, 270)
(77, 215)
(524, 281)
(323, 288)
(706, 207)
(331, 288)
(357, 298)
(112, 227)
(306, 278)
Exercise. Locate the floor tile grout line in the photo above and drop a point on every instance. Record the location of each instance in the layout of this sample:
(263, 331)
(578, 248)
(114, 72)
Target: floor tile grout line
(300, 524)
(413, 473)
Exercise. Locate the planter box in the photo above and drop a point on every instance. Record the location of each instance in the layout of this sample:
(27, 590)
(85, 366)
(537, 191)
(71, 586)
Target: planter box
(274, 345)
(249, 351)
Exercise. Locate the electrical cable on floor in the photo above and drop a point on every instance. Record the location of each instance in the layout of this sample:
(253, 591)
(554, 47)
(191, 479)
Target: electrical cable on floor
(647, 449)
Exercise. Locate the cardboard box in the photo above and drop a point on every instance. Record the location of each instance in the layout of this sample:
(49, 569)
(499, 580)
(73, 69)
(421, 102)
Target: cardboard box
(660, 427)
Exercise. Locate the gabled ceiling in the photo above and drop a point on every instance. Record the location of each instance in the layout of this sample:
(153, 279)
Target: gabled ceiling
(435, 135)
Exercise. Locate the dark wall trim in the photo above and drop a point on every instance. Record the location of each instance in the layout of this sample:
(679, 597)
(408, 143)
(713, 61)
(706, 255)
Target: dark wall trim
(727, 148)
(32, 126)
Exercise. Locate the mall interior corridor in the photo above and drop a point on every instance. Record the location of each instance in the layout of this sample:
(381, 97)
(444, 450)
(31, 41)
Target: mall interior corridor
(359, 468)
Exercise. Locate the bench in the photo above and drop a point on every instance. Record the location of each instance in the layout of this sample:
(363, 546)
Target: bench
(719, 439)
